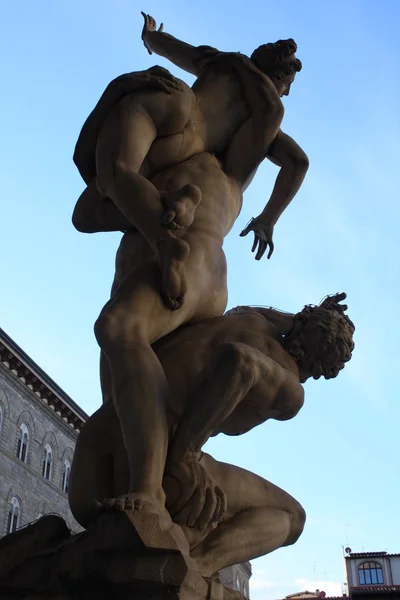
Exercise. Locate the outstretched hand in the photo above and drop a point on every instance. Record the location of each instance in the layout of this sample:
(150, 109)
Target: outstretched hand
(200, 502)
(149, 26)
(333, 302)
(263, 232)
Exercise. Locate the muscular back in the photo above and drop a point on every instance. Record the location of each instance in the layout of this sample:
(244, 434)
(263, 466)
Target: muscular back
(278, 394)
(202, 119)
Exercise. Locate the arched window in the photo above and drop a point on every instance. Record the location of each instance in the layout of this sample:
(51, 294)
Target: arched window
(47, 463)
(237, 582)
(370, 573)
(23, 443)
(65, 476)
(13, 515)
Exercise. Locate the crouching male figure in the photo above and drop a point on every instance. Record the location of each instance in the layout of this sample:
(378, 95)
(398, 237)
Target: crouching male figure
(226, 375)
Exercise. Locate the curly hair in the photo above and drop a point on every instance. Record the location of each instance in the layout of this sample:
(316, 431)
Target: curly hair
(277, 59)
(322, 339)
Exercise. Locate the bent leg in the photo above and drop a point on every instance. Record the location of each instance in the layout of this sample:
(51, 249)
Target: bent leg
(260, 518)
(94, 212)
(91, 477)
(123, 144)
(133, 319)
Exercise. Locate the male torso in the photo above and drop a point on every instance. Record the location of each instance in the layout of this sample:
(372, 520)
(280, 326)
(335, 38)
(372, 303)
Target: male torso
(185, 353)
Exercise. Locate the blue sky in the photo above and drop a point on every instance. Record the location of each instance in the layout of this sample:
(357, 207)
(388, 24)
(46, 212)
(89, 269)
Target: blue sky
(340, 455)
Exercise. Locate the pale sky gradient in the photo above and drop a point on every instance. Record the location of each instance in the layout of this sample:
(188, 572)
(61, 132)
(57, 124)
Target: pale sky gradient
(339, 457)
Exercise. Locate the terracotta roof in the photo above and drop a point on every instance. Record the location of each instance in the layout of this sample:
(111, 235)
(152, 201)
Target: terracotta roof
(302, 594)
(39, 383)
(373, 589)
(317, 596)
(371, 554)
(366, 554)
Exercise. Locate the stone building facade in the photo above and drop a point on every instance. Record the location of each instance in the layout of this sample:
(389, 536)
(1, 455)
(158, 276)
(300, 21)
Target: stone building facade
(39, 426)
(237, 577)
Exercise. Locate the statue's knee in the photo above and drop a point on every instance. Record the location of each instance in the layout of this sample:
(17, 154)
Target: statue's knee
(113, 330)
(298, 519)
(106, 329)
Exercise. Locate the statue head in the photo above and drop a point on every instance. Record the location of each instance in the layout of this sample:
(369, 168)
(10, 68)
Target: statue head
(277, 60)
(320, 341)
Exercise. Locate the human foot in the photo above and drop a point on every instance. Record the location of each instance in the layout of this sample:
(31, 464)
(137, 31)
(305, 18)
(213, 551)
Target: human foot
(132, 501)
(180, 206)
(173, 253)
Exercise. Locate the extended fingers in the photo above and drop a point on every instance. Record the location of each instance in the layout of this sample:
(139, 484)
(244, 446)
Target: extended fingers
(256, 240)
(262, 246)
(335, 300)
(223, 504)
(196, 506)
(170, 83)
(210, 508)
(182, 501)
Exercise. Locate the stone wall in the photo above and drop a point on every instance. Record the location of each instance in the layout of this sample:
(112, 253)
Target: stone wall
(237, 577)
(36, 495)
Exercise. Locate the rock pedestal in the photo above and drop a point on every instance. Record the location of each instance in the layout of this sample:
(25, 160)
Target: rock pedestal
(122, 556)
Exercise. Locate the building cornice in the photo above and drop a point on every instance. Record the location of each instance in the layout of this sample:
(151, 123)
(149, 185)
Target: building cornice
(36, 381)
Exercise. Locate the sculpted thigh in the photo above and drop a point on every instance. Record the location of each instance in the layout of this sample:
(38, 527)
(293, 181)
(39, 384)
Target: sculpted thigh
(206, 277)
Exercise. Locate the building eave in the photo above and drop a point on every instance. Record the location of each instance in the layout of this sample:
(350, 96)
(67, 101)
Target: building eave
(35, 379)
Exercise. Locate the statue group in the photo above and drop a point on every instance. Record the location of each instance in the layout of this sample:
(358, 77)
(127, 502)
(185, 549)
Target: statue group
(167, 165)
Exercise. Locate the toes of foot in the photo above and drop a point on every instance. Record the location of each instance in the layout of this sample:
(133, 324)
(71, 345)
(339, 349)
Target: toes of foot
(119, 504)
(168, 218)
(174, 303)
(193, 192)
(138, 505)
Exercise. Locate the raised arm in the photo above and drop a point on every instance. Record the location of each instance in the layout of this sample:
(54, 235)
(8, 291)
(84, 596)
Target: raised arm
(293, 163)
(183, 55)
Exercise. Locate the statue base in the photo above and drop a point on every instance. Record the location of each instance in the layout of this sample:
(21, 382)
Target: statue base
(122, 556)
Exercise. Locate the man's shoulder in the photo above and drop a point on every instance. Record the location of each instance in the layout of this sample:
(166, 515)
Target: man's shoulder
(207, 55)
(290, 397)
(247, 316)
